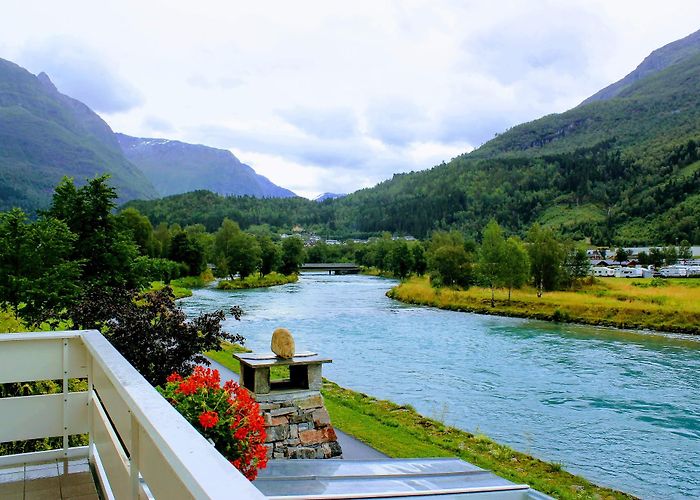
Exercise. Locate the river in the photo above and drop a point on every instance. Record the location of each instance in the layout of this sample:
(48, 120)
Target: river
(620, 408)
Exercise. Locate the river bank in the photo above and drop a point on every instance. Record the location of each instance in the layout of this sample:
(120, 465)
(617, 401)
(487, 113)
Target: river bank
(401, 432)
(255, 281)
(666, 306)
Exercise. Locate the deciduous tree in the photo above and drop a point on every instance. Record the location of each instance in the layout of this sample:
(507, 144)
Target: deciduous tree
(492, 257)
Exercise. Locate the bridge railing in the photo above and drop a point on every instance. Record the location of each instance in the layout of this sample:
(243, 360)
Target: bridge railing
(139, 445)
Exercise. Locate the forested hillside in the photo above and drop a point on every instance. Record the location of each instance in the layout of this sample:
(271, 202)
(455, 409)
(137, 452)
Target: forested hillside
(45, 135)
(619, 170)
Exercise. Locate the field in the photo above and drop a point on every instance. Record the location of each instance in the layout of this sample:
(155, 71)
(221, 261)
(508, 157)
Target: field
(671, 305)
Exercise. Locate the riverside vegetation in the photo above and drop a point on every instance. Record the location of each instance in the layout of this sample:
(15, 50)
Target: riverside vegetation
(652, 303)
(401, 432)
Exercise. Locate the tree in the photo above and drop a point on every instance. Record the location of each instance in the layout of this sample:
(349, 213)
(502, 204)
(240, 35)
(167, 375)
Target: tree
(151, 332)
(292, 255)
(621, 254)
(576, 265)
(449, 261)
(38, 279)
(223, 241)
(162, 238)
(492, 256)
(670, 255)
(106, 250)
(188, 251)
(269, 255)
(684, 250)
(420, 264)
(400, 259)
(516, 264)
(546, 258)
(656, 257)
(140, 229)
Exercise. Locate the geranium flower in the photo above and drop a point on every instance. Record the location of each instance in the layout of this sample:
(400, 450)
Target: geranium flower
(208, 419)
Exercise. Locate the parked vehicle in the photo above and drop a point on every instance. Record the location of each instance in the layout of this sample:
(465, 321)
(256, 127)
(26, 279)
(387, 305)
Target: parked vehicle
(629, 272)
(674, 271)
(602, 272)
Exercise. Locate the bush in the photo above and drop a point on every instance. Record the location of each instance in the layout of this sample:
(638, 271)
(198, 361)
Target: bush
(150, 331)
(227, 416)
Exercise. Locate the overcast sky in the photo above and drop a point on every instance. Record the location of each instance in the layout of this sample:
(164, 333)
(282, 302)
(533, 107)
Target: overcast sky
(330, 95)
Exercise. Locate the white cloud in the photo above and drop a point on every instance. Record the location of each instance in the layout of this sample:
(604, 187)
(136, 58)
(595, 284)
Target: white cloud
(80, 72)
(319, 98)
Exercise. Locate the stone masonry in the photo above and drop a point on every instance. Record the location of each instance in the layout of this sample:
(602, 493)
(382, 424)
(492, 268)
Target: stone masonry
(298, 426)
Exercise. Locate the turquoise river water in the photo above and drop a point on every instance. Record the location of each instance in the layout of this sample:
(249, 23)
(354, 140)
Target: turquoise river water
(620, 408)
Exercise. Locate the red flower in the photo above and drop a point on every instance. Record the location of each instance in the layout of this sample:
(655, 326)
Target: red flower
(206, 404)
(187, 387)
(208, 419)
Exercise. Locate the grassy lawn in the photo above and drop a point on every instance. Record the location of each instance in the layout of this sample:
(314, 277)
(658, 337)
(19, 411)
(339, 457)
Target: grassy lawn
(401, 432)
(179, 291)
(664, 305)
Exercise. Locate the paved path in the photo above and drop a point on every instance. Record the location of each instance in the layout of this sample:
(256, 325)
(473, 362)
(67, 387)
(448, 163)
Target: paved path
(353, 449)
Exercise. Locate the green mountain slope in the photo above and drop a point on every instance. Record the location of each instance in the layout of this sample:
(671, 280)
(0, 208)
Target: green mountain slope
(177, 167)
(45, 135)
(620, 169)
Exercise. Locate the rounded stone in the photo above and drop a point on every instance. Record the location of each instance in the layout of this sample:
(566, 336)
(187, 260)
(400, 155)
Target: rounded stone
(283, 343)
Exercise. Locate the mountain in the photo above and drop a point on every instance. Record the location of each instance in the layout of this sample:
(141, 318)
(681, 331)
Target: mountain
(328, 196)
(622, 168)
(658, 60)
(177, 167)
(45, 135)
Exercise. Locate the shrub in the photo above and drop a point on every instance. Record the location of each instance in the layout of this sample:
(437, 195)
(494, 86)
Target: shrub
(226, 416)
(151, 331)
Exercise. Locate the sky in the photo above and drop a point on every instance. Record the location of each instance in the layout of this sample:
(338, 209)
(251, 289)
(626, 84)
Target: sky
(334, 96)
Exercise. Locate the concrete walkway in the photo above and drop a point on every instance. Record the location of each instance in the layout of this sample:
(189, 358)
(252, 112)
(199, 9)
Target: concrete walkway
(353, 449)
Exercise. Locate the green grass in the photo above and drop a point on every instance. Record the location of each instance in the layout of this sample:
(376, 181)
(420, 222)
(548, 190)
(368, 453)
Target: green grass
(255, 281)
(225, 357)
(200, 281)
(401, 432)
(180, 292)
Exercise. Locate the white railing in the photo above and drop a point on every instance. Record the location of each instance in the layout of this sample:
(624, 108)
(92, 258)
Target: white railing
(139, 446)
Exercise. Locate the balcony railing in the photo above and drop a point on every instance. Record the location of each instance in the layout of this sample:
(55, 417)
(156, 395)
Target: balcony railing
(139, 445)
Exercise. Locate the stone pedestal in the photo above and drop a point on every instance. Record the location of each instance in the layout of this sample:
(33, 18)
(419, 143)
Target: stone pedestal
(297, 423)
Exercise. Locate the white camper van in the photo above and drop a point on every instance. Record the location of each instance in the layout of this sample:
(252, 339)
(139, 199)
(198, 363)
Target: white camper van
(603, 272)
(674, 272)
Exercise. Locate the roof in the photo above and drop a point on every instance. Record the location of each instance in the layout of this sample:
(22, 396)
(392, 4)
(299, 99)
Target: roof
(385, 478)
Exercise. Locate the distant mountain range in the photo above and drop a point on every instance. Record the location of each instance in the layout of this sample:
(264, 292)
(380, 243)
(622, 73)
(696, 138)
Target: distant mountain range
(175, 167)
(328, 196)
(46, 135)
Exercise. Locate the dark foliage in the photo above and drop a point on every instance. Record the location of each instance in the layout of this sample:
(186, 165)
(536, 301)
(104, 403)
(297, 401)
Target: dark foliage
(151, 332)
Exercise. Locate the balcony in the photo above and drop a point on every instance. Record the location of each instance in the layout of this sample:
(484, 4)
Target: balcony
(141, 447)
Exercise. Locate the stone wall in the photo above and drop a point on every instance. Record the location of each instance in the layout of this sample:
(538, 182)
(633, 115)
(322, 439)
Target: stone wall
(298, 426)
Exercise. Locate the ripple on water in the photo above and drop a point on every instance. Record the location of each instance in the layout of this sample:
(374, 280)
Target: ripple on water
(621, 408)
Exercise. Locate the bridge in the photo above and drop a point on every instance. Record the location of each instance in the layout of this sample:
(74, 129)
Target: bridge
(334, 267)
